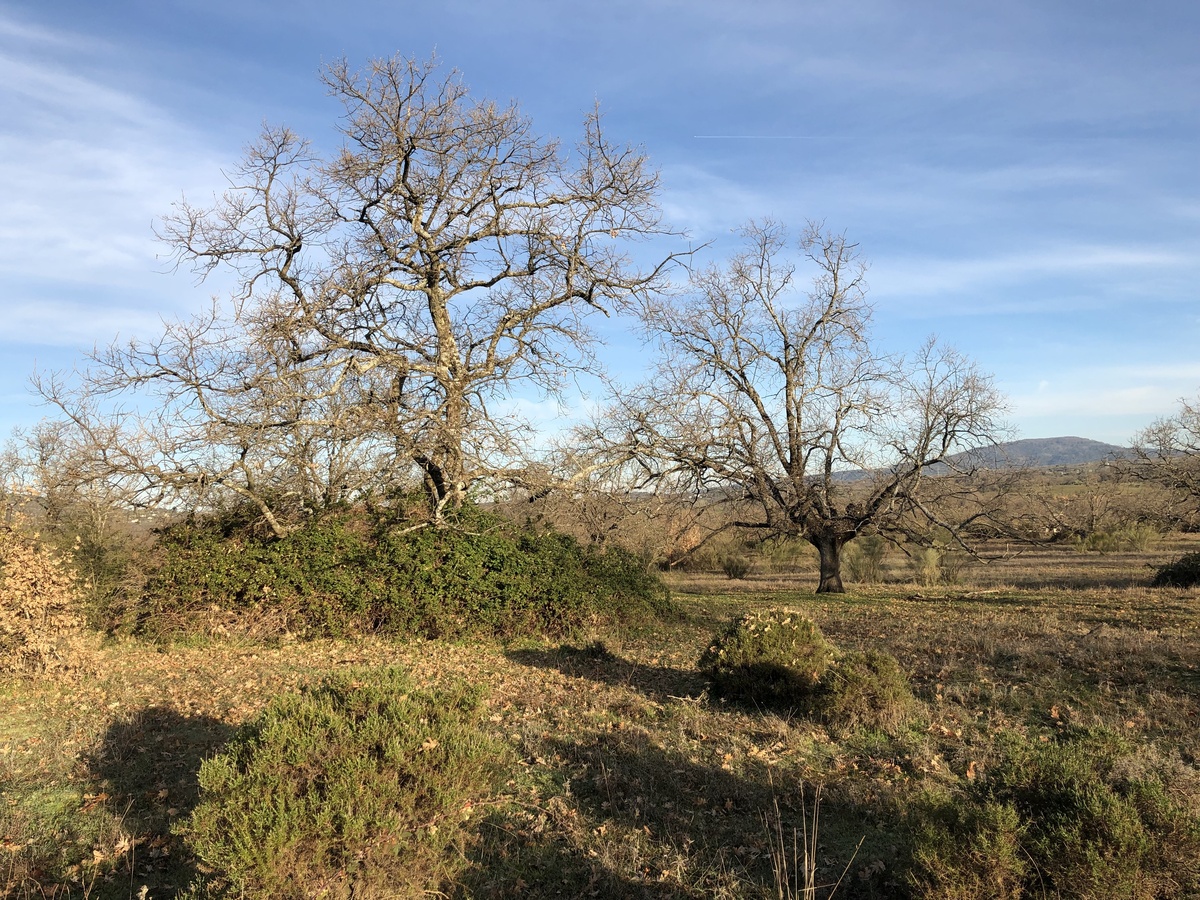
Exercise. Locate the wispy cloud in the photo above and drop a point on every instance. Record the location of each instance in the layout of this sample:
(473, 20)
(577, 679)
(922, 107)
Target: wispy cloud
(85, 166)
(54, 323)
(1126, 396)
(707, 205)
(933, 277)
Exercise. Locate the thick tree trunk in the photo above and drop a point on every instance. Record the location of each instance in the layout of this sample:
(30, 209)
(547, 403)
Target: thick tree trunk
(829, 546)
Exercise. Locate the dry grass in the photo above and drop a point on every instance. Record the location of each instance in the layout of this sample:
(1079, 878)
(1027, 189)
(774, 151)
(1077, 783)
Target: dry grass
(631, 781)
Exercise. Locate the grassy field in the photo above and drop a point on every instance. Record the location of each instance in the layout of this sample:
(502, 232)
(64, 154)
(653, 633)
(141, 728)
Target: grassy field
(627, 779)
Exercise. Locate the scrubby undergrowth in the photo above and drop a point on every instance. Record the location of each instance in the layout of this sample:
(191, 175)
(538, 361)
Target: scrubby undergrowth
(1182, 572)
(362, 786)
(778, 659)
(1051, 753)
(343, 575)
(1086, 815)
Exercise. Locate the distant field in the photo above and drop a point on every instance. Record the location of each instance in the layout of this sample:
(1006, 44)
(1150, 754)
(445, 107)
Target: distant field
(1005, 564)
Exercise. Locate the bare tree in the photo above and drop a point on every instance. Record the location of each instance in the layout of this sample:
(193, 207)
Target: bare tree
(777, 403)
(217, 408)
(1167, 453)
(392, 295)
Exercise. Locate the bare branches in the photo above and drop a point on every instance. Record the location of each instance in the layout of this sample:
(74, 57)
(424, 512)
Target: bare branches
(778, 401)
(1167, 453)
(388, 297)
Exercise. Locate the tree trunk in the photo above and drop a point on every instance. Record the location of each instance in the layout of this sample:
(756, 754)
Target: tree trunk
(829, 546)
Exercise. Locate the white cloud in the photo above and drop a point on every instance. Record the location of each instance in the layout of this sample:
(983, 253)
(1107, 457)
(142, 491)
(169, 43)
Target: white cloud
(932, 276)
(1145, 391)
(705, 204)
(85, 167)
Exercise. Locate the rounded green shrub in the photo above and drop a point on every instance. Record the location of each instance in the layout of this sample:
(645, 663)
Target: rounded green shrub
(1182, 572)
(964, 851)
(735, 567)
(864, 558)
(1095, 816)
(361, 786)
(770, 658)
(864, 690)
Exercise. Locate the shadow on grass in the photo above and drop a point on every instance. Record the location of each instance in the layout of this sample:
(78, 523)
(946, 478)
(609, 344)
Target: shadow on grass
(148, 765)
(660, 683)
(640, 820)
(513, 862)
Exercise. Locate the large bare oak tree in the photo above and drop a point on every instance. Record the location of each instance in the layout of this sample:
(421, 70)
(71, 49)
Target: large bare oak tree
(1167, 453)
(391, 296)
(775, 400)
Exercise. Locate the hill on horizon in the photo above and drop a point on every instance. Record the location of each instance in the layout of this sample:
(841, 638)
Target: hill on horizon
(1045, 452)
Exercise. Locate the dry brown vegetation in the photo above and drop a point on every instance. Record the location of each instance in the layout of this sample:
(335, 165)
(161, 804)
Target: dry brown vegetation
(40, 625)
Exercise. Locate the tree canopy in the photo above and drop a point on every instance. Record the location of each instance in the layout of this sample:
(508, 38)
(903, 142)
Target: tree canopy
(391, 295)
(776, 401)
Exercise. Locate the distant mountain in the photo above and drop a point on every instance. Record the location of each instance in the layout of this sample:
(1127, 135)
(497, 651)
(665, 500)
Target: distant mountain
(1045, 452)
(1033, 453)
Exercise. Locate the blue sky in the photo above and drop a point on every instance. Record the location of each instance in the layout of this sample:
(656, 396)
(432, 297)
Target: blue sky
(1024, 177)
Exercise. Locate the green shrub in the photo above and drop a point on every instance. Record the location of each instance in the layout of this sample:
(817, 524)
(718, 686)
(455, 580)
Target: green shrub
(780, 659)
(771, 658)
(787, 554)
(341, 575)
(1097, 818)
(735, 567)
(1139, 536)
(1104, 540)
(864, 690)
(359, 787)
(963, 852)
(864, 558)
(926, 565)
(1182, 572)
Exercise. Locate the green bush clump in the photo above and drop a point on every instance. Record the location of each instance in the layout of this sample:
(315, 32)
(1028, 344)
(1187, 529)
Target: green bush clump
(735, 567)
(1183, 572)
(780, 659)
(864, 558)
(343, 575)
(1094, 817)
(864, 690)
(361, 786)
(772, 658)
(962, 852)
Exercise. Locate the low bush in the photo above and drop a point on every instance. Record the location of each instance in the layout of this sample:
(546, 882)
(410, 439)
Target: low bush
(1137, 536)
(771, 658)
(864, 558)
(926, 565)
(962, 852)
(1094, 816)
(343, 575)
(779, 659)
(362, 786)
(39, 604)
(1182, 572)
(864, 690)
(735, 567)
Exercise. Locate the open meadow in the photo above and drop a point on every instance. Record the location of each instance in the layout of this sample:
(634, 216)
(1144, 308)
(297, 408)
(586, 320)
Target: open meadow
(622, 776)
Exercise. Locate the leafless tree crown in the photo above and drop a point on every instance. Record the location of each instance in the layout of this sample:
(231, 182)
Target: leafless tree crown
(774, 398)
(391, 296)
(1168, 454)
